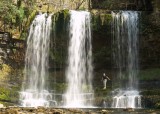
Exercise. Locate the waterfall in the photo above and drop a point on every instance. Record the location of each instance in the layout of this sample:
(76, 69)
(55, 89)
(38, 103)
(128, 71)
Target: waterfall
(79, 69)
(35, 89)
(125, 56)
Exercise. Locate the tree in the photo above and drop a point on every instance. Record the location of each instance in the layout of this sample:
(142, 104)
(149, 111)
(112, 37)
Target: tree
(13, 14)
(8, 11)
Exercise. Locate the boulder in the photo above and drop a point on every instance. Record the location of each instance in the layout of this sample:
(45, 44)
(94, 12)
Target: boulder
(1, 106)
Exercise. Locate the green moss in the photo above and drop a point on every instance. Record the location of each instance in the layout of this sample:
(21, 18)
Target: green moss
(157, 105)
(150, 92)
(99, 92)
(101, 95)
(105, 18)
(59, 87)
(149, 74)
(65, 13)
(56, 56)
(9, 95)
(4, 94)
(96, 22)
(31, 17)
(100, 19)
(59, 19)
(61, 13)
(5, 71)
(60, 34)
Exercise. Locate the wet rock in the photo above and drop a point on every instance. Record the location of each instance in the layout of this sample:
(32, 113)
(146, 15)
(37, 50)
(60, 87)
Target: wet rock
(12, 111)
(41, 109)
(128, 109)
(21, 110)
(104, 111)
(1, 105)
(75, 110)
(2, 110)
(56, 111)
(29, 109)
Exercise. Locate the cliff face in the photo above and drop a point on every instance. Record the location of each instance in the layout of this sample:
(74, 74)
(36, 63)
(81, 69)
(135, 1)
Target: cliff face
(149, 41)
(57, 5)
(149, 51)
(141, 5)
(101, 22)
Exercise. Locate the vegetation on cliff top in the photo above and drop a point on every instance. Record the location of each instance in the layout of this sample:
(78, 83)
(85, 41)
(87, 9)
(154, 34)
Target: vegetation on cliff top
(15, 16)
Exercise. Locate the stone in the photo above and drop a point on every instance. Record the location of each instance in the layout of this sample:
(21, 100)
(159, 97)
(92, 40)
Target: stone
(1, 106)
(104, 111)
(128, 109)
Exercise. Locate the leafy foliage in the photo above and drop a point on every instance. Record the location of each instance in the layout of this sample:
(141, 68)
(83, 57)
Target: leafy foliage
(12, 13)
(8, 11)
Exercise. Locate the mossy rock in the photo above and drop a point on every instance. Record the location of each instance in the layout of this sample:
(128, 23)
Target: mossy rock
(150, 101)
(61, 14)
(9, 95)
(60, 87)
(5, 71)
(101, 22)
(31, 17)
(150, 92)
(157, 105)
(149, 74)
(106, 18)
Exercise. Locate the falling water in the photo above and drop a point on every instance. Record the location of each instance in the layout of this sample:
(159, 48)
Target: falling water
(79, 70)
(34, 91)
(125, 55)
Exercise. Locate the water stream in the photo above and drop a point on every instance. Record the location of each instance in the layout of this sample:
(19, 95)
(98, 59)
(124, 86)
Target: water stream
(125, 57)
(35, 87)
(79, 70)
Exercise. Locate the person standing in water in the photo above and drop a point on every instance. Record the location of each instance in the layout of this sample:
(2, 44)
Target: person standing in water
(104, 79)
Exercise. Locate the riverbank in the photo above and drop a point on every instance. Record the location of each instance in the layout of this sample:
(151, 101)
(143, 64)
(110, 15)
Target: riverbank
(43, 110)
